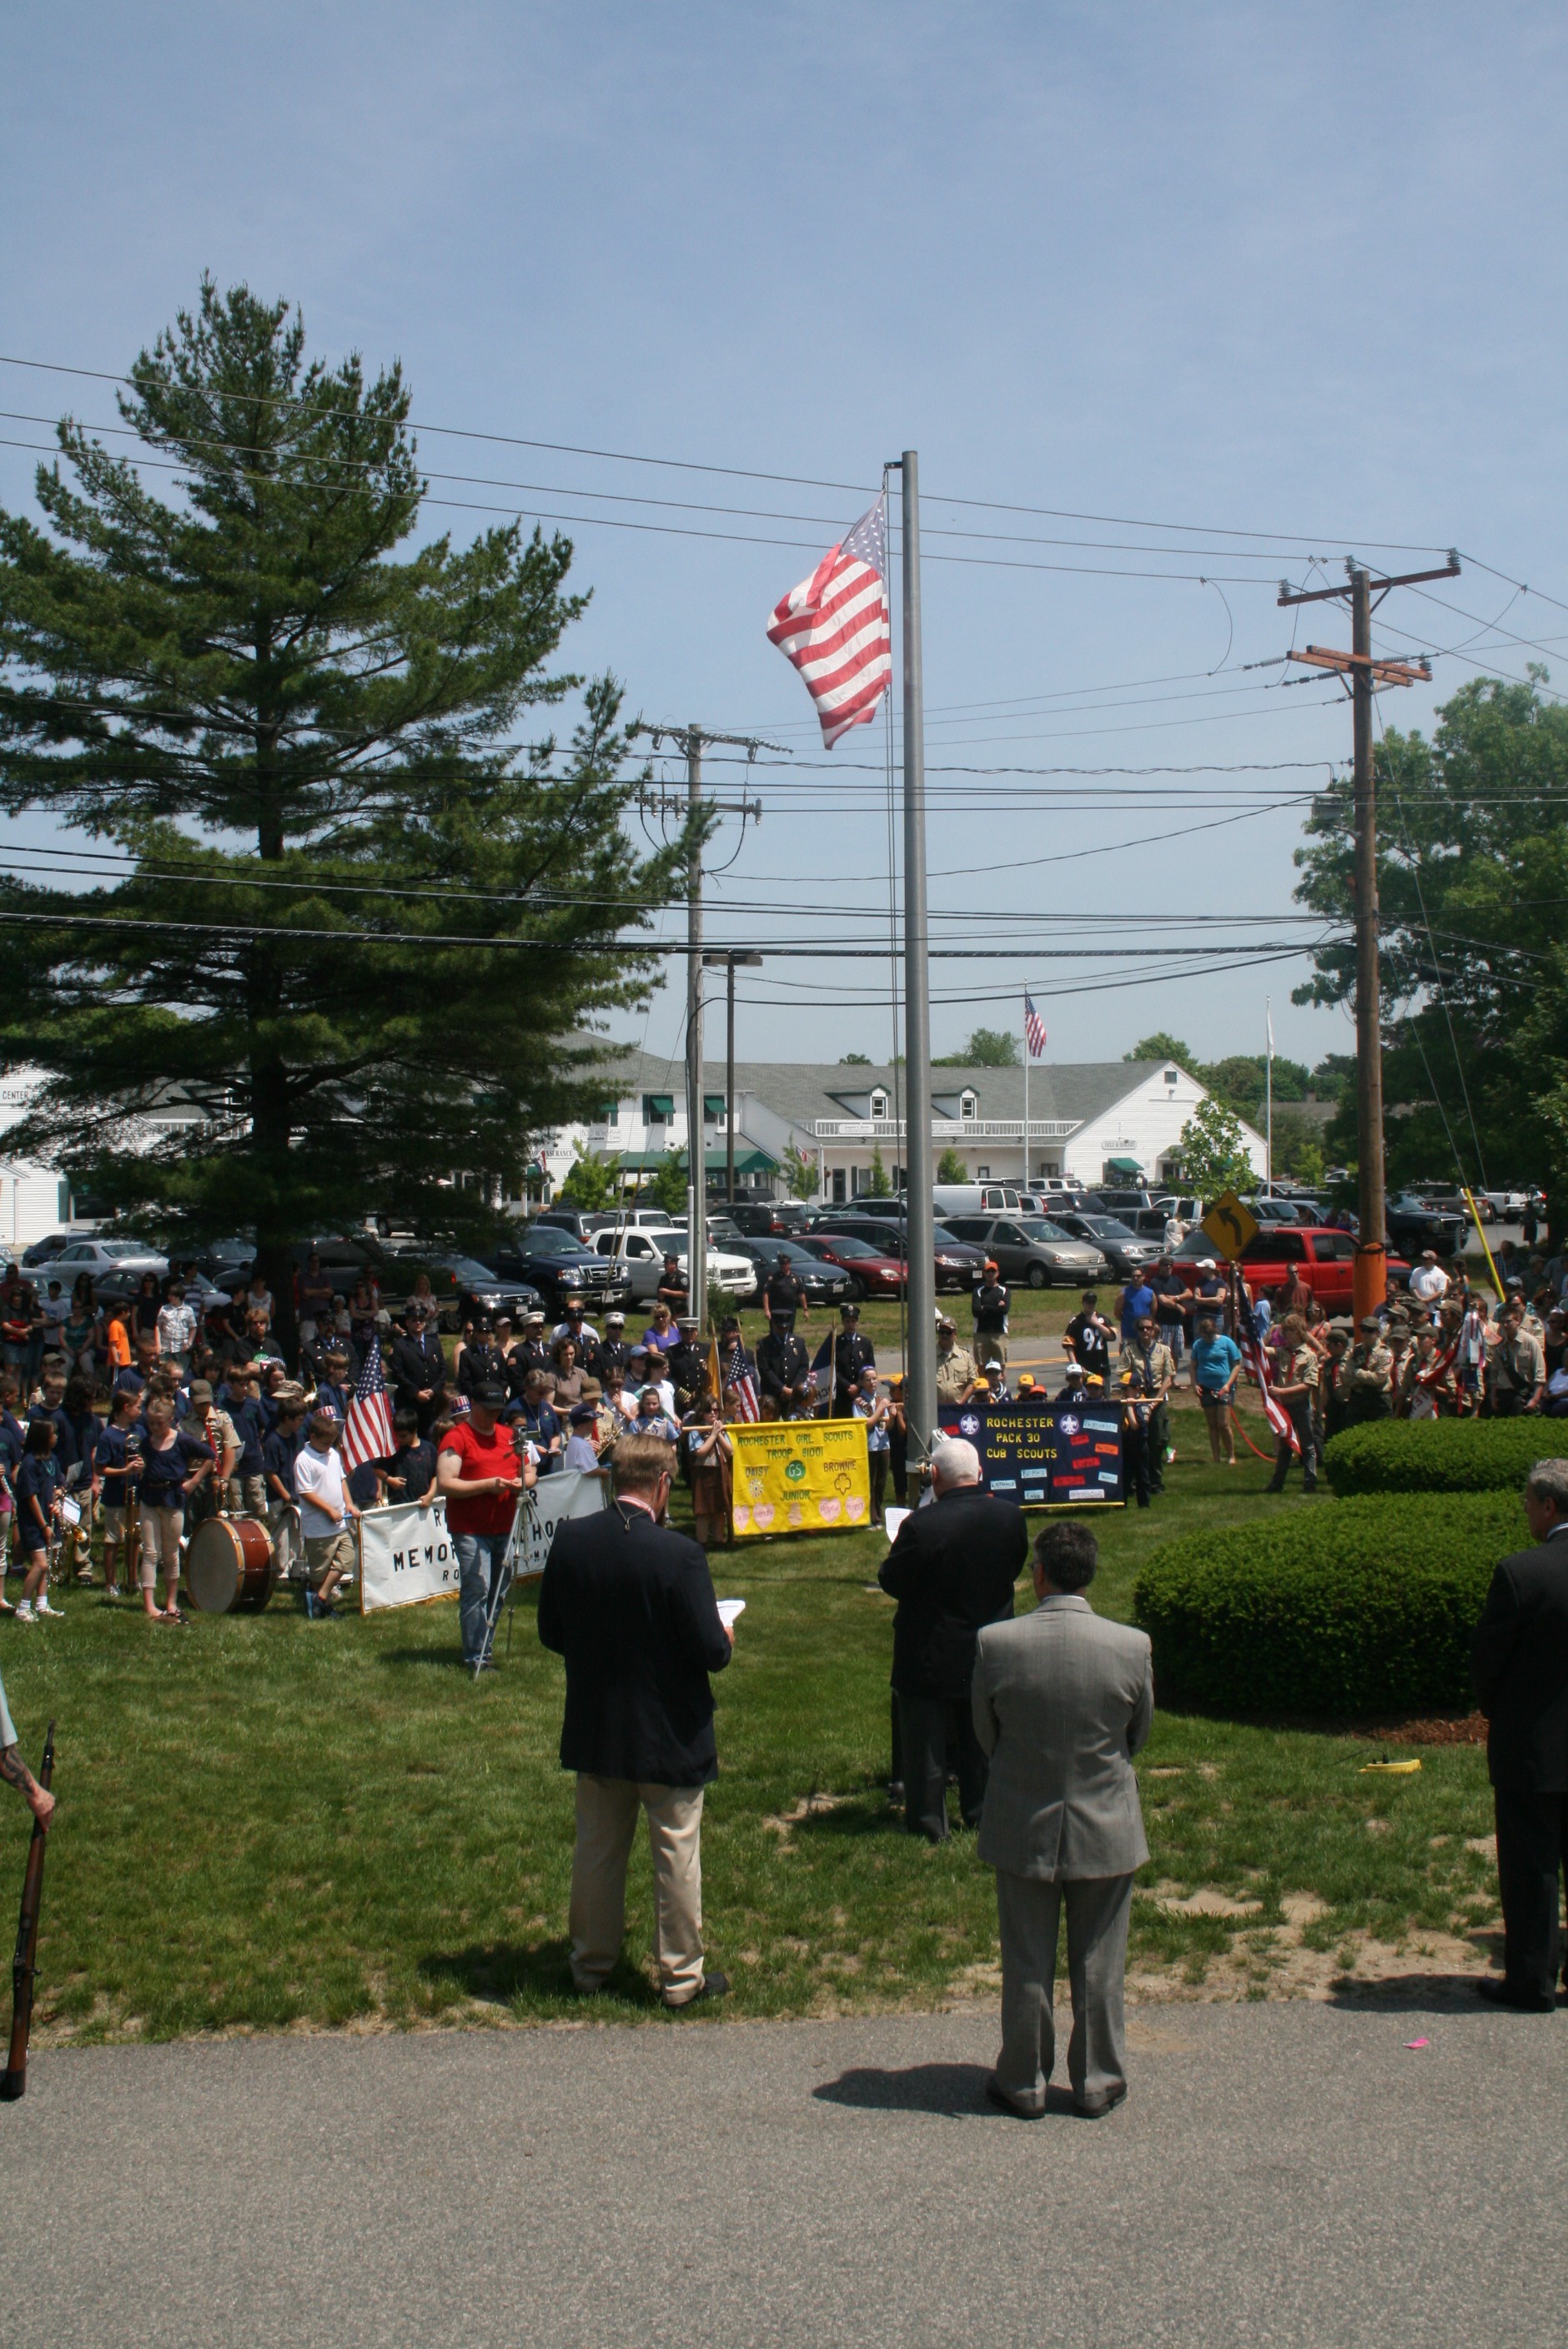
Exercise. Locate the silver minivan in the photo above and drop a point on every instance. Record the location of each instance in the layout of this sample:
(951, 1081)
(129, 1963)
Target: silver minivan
(1032, 1252)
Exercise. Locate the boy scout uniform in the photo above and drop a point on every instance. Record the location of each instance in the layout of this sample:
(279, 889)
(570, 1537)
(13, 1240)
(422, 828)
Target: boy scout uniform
(1370, 1376)
(1300, 1368)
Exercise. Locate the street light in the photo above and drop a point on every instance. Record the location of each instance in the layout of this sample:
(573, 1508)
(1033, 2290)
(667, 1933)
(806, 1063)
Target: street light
(729, 956)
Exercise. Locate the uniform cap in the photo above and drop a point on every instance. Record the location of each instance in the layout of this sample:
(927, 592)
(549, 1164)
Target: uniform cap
(1370, 1321)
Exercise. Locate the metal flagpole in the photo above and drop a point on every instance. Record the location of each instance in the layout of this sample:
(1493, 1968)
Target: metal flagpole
(920, 1382)
(1025, 1089)
(1268, 1097)
(697, 1157)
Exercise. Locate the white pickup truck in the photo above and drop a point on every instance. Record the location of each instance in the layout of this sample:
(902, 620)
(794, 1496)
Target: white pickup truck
(642, 1254)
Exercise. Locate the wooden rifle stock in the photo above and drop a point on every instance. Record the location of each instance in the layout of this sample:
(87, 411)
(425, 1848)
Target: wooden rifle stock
(23, 1966)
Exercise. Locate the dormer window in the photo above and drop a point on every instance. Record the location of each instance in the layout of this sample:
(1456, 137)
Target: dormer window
(879, 1104)
(967, 1105)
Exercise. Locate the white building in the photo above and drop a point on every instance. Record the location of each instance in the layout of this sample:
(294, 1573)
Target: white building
(1093, 1121)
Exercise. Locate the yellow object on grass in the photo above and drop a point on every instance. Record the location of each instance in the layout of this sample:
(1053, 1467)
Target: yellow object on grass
(1391, 1769)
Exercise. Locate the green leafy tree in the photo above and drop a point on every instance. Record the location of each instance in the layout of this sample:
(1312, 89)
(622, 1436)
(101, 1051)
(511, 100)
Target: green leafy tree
(347, 915)
(950, 1168)
(854, 1060)
(667, 1187)
(801, 1172)
(988, 1047)
(1161, 1047)
(1297, 1146)
(1472, 874)
(1214, 1152)
(877, 1183)
(593, 1183)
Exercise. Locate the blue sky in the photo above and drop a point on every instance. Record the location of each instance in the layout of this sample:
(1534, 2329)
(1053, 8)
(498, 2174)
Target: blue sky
(1246, 269)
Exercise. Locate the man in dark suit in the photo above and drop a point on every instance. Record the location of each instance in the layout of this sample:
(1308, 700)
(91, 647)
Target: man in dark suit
(628, 1602)
(418, 1368)
(952, 1570)
(1519, 1665)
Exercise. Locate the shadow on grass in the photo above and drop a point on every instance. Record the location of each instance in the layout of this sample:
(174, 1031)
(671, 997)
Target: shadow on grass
(498, 1971)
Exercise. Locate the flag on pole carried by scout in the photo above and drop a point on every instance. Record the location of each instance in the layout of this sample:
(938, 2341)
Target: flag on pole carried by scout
(836, 628)
(1255, 1362)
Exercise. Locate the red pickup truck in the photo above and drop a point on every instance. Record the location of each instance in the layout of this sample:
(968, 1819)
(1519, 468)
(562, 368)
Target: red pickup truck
(1324, 1259)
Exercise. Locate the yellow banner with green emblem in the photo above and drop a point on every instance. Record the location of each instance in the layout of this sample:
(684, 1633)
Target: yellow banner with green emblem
(801, 1476)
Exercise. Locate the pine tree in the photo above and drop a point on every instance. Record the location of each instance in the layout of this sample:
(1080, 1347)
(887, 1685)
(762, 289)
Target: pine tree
(357, 924)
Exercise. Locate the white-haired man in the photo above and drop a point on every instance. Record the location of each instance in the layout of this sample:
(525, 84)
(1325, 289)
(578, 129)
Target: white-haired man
(951, 1570)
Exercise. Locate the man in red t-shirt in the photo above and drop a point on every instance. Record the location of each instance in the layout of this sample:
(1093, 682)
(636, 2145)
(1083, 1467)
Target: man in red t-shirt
(480, 1476)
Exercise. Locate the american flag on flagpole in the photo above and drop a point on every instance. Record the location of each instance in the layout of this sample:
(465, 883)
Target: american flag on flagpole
(368, 1434)
(836, 629)
(1255, 1363)
(1034, 1027)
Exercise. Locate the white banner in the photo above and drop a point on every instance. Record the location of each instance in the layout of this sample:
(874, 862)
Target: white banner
(569, 1493)
(406, 1556)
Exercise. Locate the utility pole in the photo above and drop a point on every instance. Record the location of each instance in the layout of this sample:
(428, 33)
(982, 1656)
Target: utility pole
(919, 1370)
(729, 956)
(1362, 673)
(691, 741)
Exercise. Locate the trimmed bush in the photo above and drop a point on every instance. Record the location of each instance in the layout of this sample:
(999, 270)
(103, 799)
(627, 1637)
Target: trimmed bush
(1364, 1608)
(1442, 1455)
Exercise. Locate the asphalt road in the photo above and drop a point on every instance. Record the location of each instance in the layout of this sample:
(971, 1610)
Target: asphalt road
(1285, 2174)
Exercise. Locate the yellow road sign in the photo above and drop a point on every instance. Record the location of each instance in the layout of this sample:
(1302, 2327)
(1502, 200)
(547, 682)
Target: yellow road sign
(1230, 1225)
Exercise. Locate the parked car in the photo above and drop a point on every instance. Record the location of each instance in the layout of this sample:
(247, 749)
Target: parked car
(951, 1199)
(581, 1222)
(722, 1226)
(958, 1265)
(1412, 1226)
(759, 1216)
(873, 1271)
(1324, 1259)
(1186, 1210)
(120, 1288)
(558, 1267)
(462, 1287)
(99, 1257)
(1118, 1244)
(823, 1282)
(46, 1251)
(1033, 1250)
(637, 1259)
(1126, 1200)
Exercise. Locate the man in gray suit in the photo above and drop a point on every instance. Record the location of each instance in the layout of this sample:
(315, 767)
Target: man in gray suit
(1062, 1700)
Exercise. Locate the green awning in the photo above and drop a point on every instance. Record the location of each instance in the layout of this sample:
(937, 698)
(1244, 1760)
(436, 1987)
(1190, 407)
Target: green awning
(712, 1105)
(747, 1162)
(1124, 1165)
(657, 1105)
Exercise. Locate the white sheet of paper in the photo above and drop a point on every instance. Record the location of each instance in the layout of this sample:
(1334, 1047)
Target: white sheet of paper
(728, 1609)
(892, 1519)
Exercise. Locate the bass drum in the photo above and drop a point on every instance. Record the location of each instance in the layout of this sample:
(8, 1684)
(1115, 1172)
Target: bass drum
(229, 1566)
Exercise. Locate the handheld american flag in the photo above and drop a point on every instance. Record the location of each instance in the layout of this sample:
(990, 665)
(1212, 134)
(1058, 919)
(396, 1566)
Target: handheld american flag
(368, 1434)
(1256, 1364)
(835, 628)
(1034, 1027)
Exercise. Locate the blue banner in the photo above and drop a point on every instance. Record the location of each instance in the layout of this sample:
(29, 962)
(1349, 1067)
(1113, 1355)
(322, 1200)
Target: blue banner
(1043, 1457)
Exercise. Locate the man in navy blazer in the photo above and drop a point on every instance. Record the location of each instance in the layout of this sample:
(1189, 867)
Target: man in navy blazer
(628, 1602)
(1520, 1663)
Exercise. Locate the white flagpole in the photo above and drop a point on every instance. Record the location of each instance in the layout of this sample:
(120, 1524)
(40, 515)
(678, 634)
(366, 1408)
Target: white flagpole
(1268, 1096)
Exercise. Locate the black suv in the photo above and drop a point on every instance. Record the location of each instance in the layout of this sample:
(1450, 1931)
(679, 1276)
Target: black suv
(761, 1218)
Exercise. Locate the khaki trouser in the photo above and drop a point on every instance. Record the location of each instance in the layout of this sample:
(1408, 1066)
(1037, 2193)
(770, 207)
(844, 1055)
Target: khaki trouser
(606, 1823)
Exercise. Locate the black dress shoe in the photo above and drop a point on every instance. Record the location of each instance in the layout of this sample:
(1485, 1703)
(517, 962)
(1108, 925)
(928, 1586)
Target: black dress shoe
(1106, 2104)
(713, 1986)
(1499, 1992)
(1004, 2103)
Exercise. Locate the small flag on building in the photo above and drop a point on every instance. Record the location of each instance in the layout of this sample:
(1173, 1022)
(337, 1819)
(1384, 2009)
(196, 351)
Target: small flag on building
(368, 1434)
(836, 628)
(1034, 1027)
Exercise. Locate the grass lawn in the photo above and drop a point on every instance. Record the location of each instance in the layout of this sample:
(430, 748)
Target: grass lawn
(266, 1823)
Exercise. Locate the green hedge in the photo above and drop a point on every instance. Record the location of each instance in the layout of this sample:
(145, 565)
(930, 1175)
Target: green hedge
(1442, 1455)
(1363, 1608)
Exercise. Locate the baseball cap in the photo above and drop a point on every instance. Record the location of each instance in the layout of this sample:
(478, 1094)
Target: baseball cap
(583, 1415)
(201, 1390)
(491, 1395)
